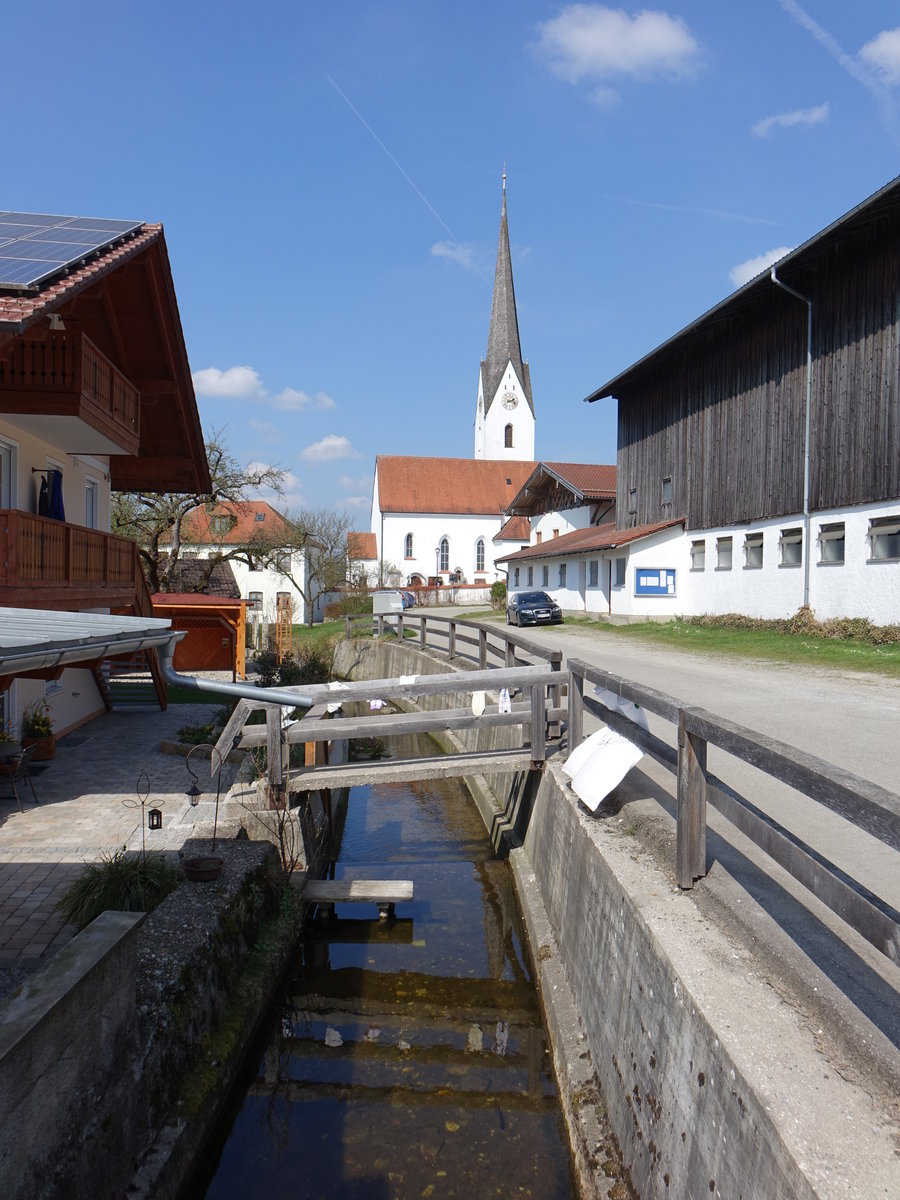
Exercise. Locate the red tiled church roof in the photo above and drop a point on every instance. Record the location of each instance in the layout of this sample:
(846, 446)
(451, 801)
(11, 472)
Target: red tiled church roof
(467, 486)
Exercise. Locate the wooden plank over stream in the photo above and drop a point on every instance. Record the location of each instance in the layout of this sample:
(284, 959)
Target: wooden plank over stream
(311, 779)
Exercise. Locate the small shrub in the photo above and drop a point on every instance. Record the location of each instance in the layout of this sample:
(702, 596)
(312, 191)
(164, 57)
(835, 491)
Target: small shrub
(197, 735)
(356, 604)
(498, 595)
(122, 882)
(37, 720)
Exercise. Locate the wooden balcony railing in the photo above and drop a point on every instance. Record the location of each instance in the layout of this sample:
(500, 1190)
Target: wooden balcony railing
(66, 375)
(52, 564)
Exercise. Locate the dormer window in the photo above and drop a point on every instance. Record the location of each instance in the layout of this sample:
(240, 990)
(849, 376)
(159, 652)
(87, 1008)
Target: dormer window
(260, 516)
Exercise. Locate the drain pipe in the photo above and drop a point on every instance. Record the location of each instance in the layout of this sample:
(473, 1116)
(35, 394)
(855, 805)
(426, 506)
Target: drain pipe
(243, 691)
(807, 549)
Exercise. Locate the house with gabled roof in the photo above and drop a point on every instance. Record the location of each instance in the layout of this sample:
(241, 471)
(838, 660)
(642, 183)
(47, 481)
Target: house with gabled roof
(258, 543)
(95, 395)
(771, 426)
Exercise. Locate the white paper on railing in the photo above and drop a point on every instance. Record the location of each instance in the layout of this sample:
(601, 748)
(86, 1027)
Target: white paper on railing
(600, 764)
(619, 704)
(504, 703)
(477, 703)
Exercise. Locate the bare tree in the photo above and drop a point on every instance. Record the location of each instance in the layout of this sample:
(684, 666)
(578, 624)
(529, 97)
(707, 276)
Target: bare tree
(321, 535)
(155, 521)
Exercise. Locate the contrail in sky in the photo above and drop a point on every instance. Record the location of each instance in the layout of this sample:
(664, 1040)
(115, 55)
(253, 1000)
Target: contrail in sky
(437, 216)
(703, 212)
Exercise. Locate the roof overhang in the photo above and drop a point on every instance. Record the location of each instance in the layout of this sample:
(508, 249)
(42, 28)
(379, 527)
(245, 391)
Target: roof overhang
(37, 641)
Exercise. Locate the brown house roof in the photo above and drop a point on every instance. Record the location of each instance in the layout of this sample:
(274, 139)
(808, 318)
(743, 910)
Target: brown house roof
(253, 520)
(595, 537)
(584, 481)
(186, 575)
(469, 486)
(361, 546)
(124, 301)
(516, 529)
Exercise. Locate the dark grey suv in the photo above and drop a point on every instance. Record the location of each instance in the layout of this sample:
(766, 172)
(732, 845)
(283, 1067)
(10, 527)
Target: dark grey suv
(532, 608)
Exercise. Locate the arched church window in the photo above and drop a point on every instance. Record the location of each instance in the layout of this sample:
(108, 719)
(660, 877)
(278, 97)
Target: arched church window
(409, 546)
(444, 548)
(507, 437)
(479, 555)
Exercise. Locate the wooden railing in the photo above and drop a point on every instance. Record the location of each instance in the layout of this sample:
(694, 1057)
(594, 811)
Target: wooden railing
(66, 374)
(865, 805)
(40, 552)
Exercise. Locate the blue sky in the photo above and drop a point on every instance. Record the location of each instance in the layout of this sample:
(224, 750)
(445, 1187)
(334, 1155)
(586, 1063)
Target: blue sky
(329, 179)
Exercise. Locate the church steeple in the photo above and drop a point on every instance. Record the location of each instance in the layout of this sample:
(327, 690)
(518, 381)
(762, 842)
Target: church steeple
(504, 374)
(503, 336)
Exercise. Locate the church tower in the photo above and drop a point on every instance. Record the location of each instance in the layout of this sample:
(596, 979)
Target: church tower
(504, 416)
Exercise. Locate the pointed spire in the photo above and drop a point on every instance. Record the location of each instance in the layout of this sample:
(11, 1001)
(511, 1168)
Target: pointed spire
(503, 335)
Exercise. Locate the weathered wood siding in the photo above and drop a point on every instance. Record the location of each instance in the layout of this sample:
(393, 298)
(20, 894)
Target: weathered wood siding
(723, 415)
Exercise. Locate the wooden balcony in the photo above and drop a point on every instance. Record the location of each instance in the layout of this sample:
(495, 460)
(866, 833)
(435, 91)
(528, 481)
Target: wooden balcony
(52, 564)
(64, 379)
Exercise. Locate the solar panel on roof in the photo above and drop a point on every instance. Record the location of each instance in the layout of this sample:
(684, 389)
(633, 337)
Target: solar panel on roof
(36, 246)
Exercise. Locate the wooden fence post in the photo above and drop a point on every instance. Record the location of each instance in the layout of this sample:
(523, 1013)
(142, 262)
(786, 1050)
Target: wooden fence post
(576, 710)
(555, 691)
(538, 725)
(690, 851)
(423, 637)
(451, 641)
(482, 649)
(273, 753)
(510, 653)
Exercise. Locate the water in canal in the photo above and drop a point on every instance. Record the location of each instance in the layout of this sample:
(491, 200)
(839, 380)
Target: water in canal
(408, 1057)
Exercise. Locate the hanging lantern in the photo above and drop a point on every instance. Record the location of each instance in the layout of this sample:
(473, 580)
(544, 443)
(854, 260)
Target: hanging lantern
(154, 819)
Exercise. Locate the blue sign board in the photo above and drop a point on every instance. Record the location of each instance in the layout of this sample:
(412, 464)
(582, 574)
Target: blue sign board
(649, 581)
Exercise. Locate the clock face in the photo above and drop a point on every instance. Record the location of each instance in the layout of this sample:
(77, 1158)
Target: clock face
(509, 400)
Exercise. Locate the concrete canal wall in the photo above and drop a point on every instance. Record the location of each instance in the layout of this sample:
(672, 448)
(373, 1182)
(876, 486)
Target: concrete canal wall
(711, 1075)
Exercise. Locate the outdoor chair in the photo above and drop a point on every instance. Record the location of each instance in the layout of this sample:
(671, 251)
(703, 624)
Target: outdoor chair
(17, 769)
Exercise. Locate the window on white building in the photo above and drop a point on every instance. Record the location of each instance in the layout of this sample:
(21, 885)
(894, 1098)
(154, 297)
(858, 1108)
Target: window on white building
(444, 554)
(753, 550)
(479, 555)
(791, 542)
(562, 574)
(515, 577)
(408, 549)
(545, 576)
(618, 572)
(831, 542)
(254, 602)
(508, 437)
(884, 538)
(698, 555)
(593, 573)
(283, 561)
(723, 554)
(530, 576)
(538, 538)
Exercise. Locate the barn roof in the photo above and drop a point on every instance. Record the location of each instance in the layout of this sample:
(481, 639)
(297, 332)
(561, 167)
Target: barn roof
(595, 537)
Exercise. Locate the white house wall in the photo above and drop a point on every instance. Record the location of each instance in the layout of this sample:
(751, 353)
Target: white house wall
(268, 581)
(858, 587)
(490, 426)
(462, 533)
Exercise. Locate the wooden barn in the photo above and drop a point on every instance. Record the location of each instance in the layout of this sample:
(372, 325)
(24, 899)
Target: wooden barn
(771, 424)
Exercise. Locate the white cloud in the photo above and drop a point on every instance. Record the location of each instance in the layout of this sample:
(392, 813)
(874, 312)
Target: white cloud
(789, 120)
(457, 252)
(331, 447)
(745, 271)
(292, 400)
(234, 383)
(269, 431)
(605, 98)
(347, 481)
(354, 502)
(591, 41)
(883, 55)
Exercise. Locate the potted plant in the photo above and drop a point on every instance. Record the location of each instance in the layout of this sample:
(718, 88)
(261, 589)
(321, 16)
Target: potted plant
(37, 730)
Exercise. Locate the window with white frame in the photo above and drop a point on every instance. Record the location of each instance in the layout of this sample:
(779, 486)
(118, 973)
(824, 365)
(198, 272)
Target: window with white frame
(618, 572)
(283, 562)
(92, 503)
(254, 602)
(408, 548)
(538, 538)
(884, 538)
(831, 542)
(530, 576)
(479, 555)
(723, 553)
(593, 573)
(562, 574)
(753, 550)
(791, 542)
(515, 577)
(444, 554)
(545, 576)
(698, 555)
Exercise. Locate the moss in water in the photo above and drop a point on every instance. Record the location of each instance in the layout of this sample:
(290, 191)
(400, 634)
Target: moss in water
(252, 987)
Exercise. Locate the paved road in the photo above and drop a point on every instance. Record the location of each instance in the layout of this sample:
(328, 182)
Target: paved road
(850, 719)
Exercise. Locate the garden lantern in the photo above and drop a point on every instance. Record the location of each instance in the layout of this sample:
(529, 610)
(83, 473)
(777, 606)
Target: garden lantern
(154, 819)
